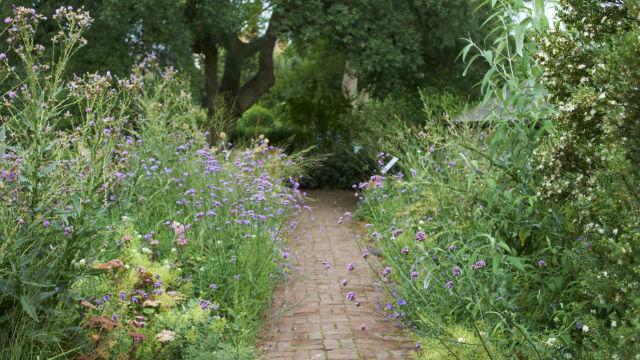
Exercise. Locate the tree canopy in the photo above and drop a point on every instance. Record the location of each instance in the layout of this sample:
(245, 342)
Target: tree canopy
(228, 46)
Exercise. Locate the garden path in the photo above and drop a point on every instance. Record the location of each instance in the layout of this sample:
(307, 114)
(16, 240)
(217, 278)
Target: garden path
(311, 315)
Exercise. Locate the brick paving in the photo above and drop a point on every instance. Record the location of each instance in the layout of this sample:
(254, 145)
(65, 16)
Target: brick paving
(311, 317)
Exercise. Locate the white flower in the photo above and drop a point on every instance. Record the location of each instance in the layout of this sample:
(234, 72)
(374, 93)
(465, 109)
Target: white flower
(585, 328)
(550, 341)
(461, 340)
(166, 336)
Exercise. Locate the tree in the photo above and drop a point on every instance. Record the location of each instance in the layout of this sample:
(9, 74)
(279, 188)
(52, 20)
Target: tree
(388, 44)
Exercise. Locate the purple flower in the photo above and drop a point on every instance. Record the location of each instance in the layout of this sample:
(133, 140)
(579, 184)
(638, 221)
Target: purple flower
(2, 56)
(213, 287)
(157, 284)
(351, 295)
(285, 255)
(365, 254)
(68, 230)
(46, 223)
(448, 284)
(12, 94)
(134, 299)
(396, 232)
(452, 248)
(421, 236)
(402, 302)
(479, 264)
(456, 271)
(351, 266)
(541, 263)
(344, 282)
(205, 304)
(386, 271)
(8, 20)
(414, 275)
(405, 250)
(122, 295)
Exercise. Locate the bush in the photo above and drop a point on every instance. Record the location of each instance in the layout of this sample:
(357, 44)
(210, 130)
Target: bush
(472, 237)
(122, 233)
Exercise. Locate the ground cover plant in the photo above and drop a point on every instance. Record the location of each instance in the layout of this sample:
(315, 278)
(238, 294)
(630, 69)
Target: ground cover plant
(122, 233)
(515, 236)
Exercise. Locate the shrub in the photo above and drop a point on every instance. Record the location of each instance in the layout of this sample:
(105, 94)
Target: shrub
(473, 234)
(122, 233)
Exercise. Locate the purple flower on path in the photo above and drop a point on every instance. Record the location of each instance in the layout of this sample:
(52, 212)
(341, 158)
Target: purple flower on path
(365, 254)
(479, 264)
(340, 220)
(541, 263)
(421, 236)
(402, 302)
(363, 327)
(405, 250)
(326, 264)
(386, 271)
(351, 295)
(456, 271)
(448, 284)
(46, 223)
(8, 20)
(285, 255)
(351, 266)
(347, 215)
(414, 275)
(344, 282)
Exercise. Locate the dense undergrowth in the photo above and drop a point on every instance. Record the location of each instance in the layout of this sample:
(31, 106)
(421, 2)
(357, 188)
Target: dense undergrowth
(122, 234)
(516, 236)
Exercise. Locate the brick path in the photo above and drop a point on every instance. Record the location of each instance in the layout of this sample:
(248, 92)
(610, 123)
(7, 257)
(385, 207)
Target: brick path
(311, 316)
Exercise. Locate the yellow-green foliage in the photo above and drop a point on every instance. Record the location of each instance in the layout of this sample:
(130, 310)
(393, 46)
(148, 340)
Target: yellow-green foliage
(467, 345)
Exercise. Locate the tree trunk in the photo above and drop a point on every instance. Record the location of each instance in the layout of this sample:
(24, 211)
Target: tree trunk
(229, 92)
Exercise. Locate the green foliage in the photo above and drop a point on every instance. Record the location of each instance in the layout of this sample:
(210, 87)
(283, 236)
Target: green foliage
(117, 218)
(521, 228)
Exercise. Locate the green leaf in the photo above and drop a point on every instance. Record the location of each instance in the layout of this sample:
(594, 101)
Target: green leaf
(465, 51)
(29, 308)
(516, 262)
